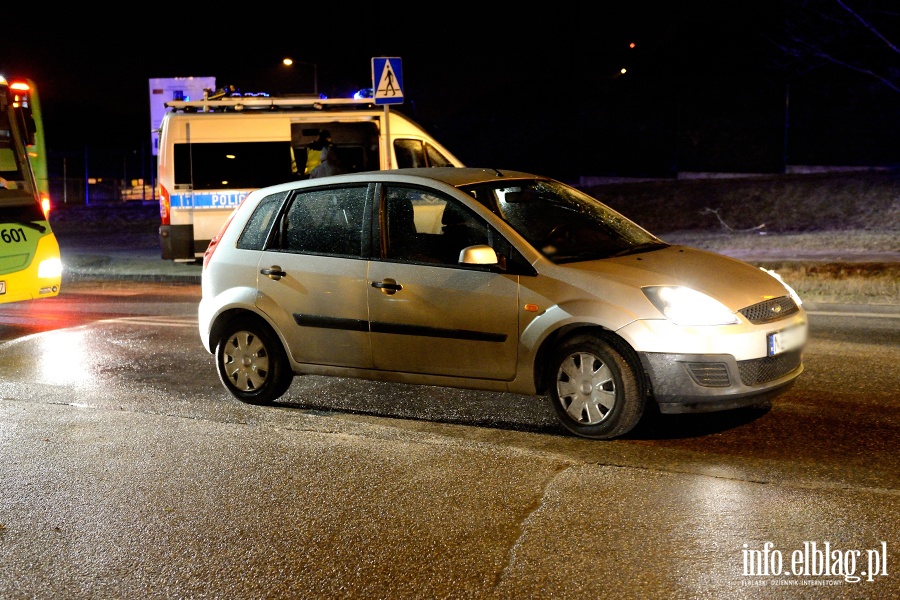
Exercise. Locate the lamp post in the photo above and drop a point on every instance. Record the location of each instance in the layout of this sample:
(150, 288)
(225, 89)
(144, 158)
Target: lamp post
(289, 62)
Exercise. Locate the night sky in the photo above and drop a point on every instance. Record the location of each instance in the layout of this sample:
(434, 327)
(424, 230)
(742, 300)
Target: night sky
(499, 85)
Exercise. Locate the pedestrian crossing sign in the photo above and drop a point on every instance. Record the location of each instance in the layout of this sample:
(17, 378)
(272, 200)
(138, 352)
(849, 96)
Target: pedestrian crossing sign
(387, 80)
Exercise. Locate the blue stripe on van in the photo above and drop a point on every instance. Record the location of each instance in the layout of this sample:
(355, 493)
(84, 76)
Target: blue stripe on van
(200, 200)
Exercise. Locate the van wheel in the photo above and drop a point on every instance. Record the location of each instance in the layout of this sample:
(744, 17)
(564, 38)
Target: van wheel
(595, 390)
(252, 363)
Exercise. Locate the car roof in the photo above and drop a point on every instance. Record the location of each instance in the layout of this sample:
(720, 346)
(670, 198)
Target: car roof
(457, 176)
(453, 176)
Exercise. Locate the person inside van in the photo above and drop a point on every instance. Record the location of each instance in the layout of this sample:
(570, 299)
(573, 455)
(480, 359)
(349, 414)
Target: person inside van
(314, 151)
(330, 163)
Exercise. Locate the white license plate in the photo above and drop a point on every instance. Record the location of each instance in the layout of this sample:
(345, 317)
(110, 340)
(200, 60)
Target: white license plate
(2, 287)
(787, 339)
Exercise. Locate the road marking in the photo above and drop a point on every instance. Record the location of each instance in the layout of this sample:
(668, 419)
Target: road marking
(160, 321)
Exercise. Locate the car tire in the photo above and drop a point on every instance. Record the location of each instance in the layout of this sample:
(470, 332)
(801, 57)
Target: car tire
(595, 388)
(251, 362)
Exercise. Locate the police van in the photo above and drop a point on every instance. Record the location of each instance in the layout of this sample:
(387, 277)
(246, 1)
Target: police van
(213, 152)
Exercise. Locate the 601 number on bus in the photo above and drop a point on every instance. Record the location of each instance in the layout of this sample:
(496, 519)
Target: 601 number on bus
(13, 235)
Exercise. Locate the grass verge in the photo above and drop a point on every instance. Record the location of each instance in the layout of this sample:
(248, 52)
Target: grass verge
(841, 283)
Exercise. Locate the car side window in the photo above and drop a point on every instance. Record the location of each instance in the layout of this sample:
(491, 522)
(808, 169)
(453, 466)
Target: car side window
(256, 232)
(326, 221)
(422, 226)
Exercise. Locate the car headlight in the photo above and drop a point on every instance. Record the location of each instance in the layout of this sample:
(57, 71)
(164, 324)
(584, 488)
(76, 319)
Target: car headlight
(790, 290)
(684, 306)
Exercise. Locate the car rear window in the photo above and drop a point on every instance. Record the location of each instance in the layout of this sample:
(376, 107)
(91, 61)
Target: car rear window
(325, 221)
(256, 232)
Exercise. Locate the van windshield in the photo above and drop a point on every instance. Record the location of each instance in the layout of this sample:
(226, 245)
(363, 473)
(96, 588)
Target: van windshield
(563, 223)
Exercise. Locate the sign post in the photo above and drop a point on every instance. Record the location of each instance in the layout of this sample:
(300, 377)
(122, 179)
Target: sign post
(387, 89)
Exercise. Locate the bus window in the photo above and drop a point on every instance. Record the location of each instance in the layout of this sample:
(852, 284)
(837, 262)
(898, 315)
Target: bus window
(7, 166)
(10, 170)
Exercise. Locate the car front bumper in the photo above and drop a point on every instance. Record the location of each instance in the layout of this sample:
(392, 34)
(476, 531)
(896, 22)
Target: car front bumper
(688, 383)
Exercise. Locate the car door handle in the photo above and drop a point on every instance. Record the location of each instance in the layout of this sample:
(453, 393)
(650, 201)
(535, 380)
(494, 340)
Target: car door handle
(274, 272)
(387, 286)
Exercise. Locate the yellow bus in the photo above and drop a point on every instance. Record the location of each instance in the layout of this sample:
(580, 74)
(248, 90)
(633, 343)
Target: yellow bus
(30, 265)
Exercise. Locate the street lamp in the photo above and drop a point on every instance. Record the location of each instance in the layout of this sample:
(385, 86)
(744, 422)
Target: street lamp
(289, 62)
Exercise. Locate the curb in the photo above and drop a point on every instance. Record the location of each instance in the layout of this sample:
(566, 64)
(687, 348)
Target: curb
(86, 267)
(826, 307)
(71, 277)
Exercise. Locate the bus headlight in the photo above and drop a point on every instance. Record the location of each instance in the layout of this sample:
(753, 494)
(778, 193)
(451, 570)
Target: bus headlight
(50, 268)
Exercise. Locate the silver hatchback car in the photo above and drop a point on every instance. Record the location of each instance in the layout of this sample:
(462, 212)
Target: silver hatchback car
(489, 280)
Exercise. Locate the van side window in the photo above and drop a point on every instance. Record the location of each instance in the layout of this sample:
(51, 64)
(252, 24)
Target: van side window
(435, 158)
(328, 221)
(410, 153)
(223, 165)
(417, 153)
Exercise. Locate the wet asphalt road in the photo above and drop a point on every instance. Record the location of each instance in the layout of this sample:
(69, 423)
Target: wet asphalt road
(127, 472)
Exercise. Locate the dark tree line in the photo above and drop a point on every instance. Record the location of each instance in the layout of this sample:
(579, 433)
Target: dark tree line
(857, 35)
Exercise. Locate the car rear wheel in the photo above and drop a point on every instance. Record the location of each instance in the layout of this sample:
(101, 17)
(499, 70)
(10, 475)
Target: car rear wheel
(596, 391)
(252, 363)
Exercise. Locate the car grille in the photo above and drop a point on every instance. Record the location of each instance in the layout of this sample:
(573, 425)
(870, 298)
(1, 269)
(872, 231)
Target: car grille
(709, 374)
(768, 368)
(770, 310)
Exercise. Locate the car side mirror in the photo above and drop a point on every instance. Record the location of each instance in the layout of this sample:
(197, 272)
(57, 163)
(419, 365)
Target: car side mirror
(478, 255)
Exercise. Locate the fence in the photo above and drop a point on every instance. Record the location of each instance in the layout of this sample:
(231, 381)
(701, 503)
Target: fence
(99, 191)
(101, 176)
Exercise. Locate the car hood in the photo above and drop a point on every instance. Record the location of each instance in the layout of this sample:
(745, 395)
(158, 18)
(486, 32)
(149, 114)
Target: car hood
(732, 282)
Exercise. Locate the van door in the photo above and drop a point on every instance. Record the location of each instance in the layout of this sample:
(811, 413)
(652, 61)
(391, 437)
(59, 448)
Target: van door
(355, 143)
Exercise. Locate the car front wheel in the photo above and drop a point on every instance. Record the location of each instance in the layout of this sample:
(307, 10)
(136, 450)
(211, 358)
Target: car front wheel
(595, 390)
(251, 362)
